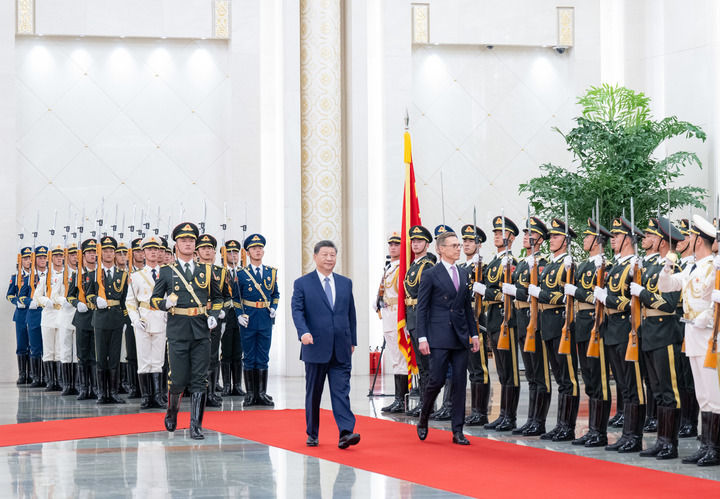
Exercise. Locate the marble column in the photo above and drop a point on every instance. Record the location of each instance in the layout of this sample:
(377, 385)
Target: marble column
(321, 125)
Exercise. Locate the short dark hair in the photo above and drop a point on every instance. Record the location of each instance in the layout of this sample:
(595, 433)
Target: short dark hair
(325, 243)
(440, 239)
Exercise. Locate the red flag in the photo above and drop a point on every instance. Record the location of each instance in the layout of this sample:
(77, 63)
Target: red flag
(410, 217)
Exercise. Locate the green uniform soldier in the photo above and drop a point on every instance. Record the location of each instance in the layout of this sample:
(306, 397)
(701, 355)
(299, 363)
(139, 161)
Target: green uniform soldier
(184, 289)
(420, 239)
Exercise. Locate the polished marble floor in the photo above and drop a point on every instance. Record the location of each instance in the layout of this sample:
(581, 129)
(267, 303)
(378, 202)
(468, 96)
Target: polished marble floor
(165, 465)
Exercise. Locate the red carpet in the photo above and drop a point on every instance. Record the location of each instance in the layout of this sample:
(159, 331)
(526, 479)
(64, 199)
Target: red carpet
(486, 468)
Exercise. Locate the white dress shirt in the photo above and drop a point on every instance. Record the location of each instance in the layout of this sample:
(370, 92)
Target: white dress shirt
(332, 285)
(191, 262)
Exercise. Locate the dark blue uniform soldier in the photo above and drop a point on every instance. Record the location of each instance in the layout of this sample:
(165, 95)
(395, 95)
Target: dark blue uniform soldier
(34, 317)
(257, 296)
(18, 294)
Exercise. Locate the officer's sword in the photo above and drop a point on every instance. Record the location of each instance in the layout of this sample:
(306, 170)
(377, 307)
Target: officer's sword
(52, 230)
(204, 218)
(131, 227)
(114, 225)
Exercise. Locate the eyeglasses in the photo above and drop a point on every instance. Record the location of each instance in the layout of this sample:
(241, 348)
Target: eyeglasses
(453, 246)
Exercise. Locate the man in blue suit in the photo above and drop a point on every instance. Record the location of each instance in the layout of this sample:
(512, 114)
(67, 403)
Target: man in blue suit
(446, 324)
(323, 310)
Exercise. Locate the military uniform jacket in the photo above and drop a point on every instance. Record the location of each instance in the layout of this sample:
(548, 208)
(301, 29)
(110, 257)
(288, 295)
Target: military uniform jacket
(256, 298)
(471, 270)
(521, 279)
(137, 303)
(81, 320)
(19, 296)
(552, 297)
(585, 281)
(390, 297)
(116, 288)
(34, 316)
(52, 314)
(658, 331)
(618, 300)
(205, 288)
(412, 289)
(222, 277)
(494, 296)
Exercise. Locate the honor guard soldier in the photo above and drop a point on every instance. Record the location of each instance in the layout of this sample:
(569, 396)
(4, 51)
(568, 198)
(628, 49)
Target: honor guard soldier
(472, 238)
(137, 260)
(34, 316)
(420, 239)
(257, 290)
(82, 320)
(535, 360)
(149, 325)
(68, 352)
(18, 294)
(184, 289)
(50, 294)
(128, 357)
(107, 292)
(205, 247)
(594, 369)
(504, 233)
(689, 406)
(661, 339)
(697, 284)
(616, 297)
(387, 307)
(551, 296)
(231, 343)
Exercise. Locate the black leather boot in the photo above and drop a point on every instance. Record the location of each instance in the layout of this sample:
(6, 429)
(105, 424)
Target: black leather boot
(445, 411)
(123, 383)
(592, 421)
(49, 368)
(103, 389)
(651, 419)
(566, 432)
(635, 440)
(249, 385)
(237, 377)
(512, 397)
(225, 368)
(197, 410)
(145, 390)
(22, 373)
(551, 434)
(212, 399)
(133, 379)
(158, 399)
(617, 420)
(262, 397)
(82, 384)
(712, 456)
(601, 413)
(172, 410)
(704, 433)
(532, 397)
(93, 382)
(670, 432)
(480, 395)
(114, 385)
(398, 403)
(542, 406)
(662, 439)
(690, 410)
(68, 379)
(503, 403)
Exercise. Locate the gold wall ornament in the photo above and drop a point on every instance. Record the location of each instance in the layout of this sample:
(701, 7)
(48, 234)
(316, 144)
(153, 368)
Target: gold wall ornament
(565, 26)
(420, 23)
(25, 17)
(321, 125)
(221, 19)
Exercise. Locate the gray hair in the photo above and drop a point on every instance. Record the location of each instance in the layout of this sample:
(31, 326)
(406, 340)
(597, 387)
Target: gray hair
(325, 243)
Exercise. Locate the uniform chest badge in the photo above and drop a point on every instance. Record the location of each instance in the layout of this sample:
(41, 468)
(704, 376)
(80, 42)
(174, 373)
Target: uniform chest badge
(177, 288)
(412, 274)
(589, 273)
(202, 275)
(249, 288)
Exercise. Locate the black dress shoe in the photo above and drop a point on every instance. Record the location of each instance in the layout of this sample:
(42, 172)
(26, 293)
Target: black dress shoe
(422, 430)
(459, 438)
(311, 442)
(348, 439)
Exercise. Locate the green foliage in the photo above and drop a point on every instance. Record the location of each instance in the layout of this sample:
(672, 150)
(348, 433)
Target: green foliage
(612, 146)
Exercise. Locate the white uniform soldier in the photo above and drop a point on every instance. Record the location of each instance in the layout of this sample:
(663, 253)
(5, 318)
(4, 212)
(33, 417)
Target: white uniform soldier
(697, 283)
(50, 295)
(68, 352)
(149, 325)
(387, 305)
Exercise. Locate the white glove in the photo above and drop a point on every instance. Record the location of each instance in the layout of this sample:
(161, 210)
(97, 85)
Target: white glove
(81, 307)
(534, 290)
(716, 295)
(171, 301)
(570, 289)
(668, 268)
(479, 289)
(138, 326)
(212, 322)
(530, 261)
(101, 303)
(243, 320)
(597, 260)
(44, 301)
(600, 294)
(273, 313)
(716, 262)
(636, 289)
(20, 304)
(222, 314)
(33, 304)
(567, 261)
(701, 321)
(60, 300)
(509, 289)
(503, 261)
(475, 258)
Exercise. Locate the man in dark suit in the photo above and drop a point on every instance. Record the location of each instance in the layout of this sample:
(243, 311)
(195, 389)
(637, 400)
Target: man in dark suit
(446, 324)
(323, 310)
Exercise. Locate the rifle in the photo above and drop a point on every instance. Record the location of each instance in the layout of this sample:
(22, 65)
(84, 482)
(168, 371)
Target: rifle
(243, 253)
(99, 275)
(66, 238)
(48, 273)
(632, 353)
(565, 340)
(379, 303)
(78, 277)
(223, 226)
(478, 270)
(711, 356)
(18, 276)
(504, 338)
(593, 349)
(529, 345)
(31, 279)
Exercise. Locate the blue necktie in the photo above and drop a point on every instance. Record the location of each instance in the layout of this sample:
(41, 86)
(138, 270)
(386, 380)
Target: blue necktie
(328, 291)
